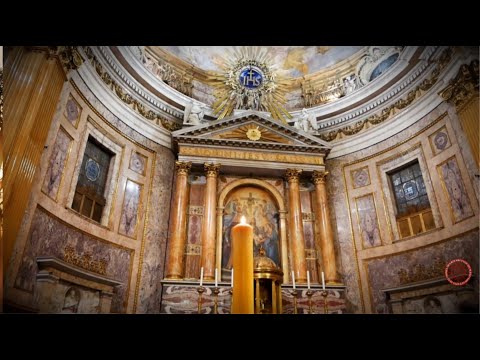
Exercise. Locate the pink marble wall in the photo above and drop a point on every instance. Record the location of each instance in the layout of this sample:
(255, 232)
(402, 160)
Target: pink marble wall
(138, 163)
(49, 237)
(156, 233)
(56, 164)
(383, 272)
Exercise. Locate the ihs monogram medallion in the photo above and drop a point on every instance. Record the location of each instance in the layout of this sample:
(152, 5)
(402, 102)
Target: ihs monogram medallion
(249, 82)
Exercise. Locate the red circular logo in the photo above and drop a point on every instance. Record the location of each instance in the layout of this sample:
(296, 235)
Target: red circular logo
(458, 272)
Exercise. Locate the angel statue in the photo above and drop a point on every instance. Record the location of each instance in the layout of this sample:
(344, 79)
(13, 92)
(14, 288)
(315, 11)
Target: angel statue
(306, 121)
(195, 116)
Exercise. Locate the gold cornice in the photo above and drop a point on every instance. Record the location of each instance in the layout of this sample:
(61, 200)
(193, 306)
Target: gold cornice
(182, 167)
(212, 170)
(393, 109)
(293, 175)
(464, 86)
(126, 98)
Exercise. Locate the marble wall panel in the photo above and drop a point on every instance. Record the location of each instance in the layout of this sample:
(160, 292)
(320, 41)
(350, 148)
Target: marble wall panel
(130, 209)
(56, 166)
(49, 237)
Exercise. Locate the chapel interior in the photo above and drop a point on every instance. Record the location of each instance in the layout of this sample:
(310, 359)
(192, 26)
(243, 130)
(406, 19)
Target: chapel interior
(126, 172)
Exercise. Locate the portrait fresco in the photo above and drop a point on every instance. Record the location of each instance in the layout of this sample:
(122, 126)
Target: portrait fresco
(260, 211)
(58, 158)
(367, 221)
(131, 202)
(72, 111)
(455, 189)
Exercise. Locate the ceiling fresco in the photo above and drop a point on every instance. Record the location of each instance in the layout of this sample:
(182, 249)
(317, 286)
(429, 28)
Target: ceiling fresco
(291, 61)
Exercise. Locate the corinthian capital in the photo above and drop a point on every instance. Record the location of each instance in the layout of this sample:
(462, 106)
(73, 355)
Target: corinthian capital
(319, 177)
(211, 169)
(293, 175)
(182, 167)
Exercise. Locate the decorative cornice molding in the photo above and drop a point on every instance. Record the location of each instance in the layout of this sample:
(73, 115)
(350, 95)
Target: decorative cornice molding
(68, 56)
(393, 109)
(112, 63)
(465, 85)
(126, 98)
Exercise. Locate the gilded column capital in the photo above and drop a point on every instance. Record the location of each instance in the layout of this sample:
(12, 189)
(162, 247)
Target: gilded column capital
(293, 175)
(319, 177)
(182, 167)
(465, 84)
(212, 170)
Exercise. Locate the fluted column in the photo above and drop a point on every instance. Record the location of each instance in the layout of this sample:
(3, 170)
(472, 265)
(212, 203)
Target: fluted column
(179, 222)
(208, 233)
(325, 226)
(296, 225)
(33, 83)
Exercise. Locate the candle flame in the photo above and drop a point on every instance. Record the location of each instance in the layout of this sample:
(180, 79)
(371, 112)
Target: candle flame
(243, 220)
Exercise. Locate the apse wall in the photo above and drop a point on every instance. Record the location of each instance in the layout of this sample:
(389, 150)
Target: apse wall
(126, 248)
(379, 257)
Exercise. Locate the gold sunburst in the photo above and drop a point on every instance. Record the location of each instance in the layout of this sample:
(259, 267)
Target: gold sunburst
(231, 94)
(253, 132)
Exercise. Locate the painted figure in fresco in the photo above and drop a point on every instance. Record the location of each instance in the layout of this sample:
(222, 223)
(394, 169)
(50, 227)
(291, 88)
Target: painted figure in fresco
(129, 215)
(263, 216)
(72, 299)
(457, 193)
(369, 229)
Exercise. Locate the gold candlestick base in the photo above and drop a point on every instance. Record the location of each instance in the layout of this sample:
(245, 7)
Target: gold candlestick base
(200, 291)
(324, 294)
(295, 294)
(309, 294)
(215, 291)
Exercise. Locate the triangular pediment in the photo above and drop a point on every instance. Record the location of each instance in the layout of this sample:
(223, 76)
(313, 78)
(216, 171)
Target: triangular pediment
(251, 129)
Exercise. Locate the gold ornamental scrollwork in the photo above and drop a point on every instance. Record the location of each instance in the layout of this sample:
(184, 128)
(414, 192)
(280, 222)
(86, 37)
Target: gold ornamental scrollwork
(395, 108)
(463, 86)
(293, 175)
(212, 170)
(319, 177)
(85, 261)
(182, 167)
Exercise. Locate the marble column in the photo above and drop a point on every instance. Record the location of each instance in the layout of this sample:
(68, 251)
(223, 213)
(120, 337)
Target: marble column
(296, 225)
(179, 222)
(209, 226)
(326, 234)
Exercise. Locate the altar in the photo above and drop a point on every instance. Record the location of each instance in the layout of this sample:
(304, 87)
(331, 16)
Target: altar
(273, 174)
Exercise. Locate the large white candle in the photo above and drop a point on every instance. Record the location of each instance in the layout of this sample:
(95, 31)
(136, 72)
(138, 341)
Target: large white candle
(308, 279)
(293, 279)
(201, 276)
(216, 277)
(232, 279)
(323, 280)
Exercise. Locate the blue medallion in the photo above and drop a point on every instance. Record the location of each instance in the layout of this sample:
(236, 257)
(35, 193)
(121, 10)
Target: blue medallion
(92, 170)
(250, 78)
